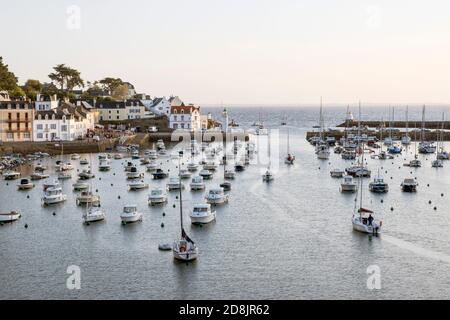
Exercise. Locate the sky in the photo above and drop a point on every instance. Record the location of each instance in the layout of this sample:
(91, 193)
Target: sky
(240, 51)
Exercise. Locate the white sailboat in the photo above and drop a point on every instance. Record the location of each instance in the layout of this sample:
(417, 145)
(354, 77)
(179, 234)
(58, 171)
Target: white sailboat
(438, 163)
(406, 139)
(363, 219)
(184, 249)
(268, 176)
(322, 148)
(289, 157)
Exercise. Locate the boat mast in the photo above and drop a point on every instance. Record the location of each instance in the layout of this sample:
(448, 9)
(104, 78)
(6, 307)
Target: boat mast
(362, 158)
(321, 121)
(422, 133)
(407, 124)
(181, 194)
(288, 141)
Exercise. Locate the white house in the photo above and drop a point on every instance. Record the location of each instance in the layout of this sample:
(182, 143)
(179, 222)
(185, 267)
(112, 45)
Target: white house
(160, 106)
(122, 110)
(46, 102)
(66, 122)
(185, 117)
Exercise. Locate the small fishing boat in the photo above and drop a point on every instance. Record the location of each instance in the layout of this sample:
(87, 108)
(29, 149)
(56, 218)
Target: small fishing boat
(87, 197)
(40, 168)
(129, 166)
(159, 174)
(202, 214)
(152, 166)
(80, 186)
(348, 154)
(348, 185)
(134, 174)
(267, 176)
(226, 186)
(66, 167)
(130, 214)
(86, 174)
(157, 196)
(11, 175)
(25, 184)
(104, 165)
(64, 175)
(239, 166)
(216, 196)
(337, 173)
(139, 185)
(84, 161)
(152, 154)
(118, 156)
(358, 171)
(378, 185)
(38, 176)
(409, 185)
(197, 183)
(144, 161)
(394, 149)
(185, 174)
(229, 174)
(53, 196)
(415, 163)
(174, 184)
(210, 166)
(437, 163)
(206, 174)
(6, 217)
(93, 213)
(192, 166)
(49, 185)
(75, 156)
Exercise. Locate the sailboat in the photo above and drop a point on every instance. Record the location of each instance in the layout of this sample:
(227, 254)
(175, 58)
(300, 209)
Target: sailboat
(415, 163)
(289, 158)
(226, 185)
(184, 249)
(382, 155)
(442, 154)
(363, 220)
(437, 163)
(393, 148)
(425, 146)
(406, 139)
(268, 176)
(322, 148)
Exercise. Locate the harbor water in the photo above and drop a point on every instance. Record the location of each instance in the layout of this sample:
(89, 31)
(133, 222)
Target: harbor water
(288, 239)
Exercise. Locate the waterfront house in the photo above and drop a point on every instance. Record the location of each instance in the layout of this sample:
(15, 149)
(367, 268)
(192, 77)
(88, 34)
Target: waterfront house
(185, 117)
(121, 110)
(160, 107)
(66, 122)
(16, 118)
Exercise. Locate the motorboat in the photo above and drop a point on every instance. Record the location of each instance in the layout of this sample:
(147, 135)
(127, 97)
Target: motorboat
(427, 147)
(358, 171)
(6, 217)
(267, 176)
(383, 155)
(53, 195)
(348, 154)
(239, 166)
(80, 186)
(40, 168)
(66, 167)
(130, 214)
(157, 196)
(84, 161)
(206, 174)
(174, 184)
(152, 154)
(443, 155)
(93, 214)
(337, 173)
(185, 174)
(38, 176)
(363, 221)
(394, 149)
(197, 183)
(102, 156)
(64, 175)
(134, 174)
(86, 174)
(229, 174)
(87, 197)
(49, 185)
(216, 196)
(437, 163)
(25, 184)
(128, 167)
(118, 156)
(202, 214)
(159, 174)
(406, 140)
(75, 156)
(160, 144)
(378, 185)
(409, 185)
(348, 185)
(162, 152)
(152, 166)
(144, 161)
(322, 151)
(138, 185)
(210, 166)
(192, 166)
(414, 163)
(388, 141)
(104, 165)
(289, 159)
(11, 175)
(226, 186)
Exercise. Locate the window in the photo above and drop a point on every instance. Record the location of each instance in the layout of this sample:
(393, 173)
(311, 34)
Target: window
(174, 118)
(26, 135)
(64, 127)
(39, 126)
(10, 135)
(9, 115)
(117, 117)
(182, 125)
(182, 118)
(53, 126)
(18, 115)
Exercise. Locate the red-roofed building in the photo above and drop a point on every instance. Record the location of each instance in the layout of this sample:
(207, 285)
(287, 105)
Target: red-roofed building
(185, 117)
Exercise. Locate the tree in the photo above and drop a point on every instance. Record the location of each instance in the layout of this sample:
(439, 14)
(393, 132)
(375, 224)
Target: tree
(121, 92)
(32, 88)
(110, 84)
(66, 78)
(8, 81)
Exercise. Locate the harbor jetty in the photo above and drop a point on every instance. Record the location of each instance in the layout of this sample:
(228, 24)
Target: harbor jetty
(397, 124)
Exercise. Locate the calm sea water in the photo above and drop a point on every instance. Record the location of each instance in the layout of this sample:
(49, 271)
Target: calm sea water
(291, 239)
